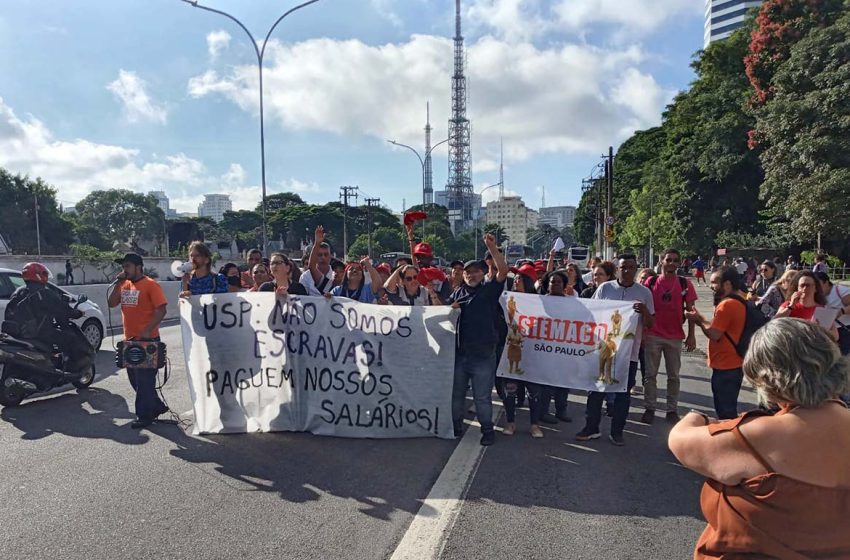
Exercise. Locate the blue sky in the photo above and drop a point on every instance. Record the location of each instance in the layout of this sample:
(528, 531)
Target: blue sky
(156, 94)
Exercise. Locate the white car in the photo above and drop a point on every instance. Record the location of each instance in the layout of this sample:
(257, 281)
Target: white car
(91, 323)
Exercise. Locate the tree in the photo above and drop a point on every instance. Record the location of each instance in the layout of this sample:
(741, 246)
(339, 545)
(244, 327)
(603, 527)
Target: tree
(18, 194)
(779, 25)
(123, 216)
(277, 202)
(497, 231)
(244, 226)
(360, 247)
(807, 125)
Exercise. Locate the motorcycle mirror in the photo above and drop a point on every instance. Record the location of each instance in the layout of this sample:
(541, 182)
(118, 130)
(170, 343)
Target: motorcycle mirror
(82, 298)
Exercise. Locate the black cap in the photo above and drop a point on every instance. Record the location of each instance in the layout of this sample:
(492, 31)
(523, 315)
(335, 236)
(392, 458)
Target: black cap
(134, 258)
(475, 263)
(455, 263)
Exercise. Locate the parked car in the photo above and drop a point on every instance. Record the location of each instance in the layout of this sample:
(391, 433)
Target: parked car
(91, 323)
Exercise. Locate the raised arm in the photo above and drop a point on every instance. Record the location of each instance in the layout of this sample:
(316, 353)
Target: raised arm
(550, 265)
(411, 240)
(498, 258)
(313, 261)
(375, 278)
(391, 285)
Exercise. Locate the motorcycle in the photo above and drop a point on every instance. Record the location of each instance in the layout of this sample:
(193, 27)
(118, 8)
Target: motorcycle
(32, 366)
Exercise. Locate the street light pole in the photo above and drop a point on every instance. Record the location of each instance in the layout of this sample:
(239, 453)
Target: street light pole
(260, 52)
(422, 163)
(37, 226)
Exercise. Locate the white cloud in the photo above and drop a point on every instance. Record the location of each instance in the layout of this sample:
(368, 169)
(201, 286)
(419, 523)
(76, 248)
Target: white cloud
(571, 98)
(513, 20)
(217, 41)
(630, 18)
(138, 105)
(386, 9)
(79, 167)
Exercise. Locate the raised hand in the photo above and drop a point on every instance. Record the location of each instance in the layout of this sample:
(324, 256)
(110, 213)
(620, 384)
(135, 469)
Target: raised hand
(489, 239)
(319, 236)
(366, 262)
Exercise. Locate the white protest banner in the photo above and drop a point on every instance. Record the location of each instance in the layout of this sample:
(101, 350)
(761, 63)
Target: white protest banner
(568, 342)
(331, 367)
(559, 245)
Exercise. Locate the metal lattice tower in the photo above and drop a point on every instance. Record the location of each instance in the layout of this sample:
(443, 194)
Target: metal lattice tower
(501, 170)
(459, 186)
(428, 188)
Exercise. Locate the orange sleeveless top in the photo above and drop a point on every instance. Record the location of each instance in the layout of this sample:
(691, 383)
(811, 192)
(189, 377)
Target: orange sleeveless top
(771, 515)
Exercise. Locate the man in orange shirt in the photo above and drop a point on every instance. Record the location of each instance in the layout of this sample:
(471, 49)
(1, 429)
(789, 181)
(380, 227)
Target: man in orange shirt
(143, 306)
(729, 319)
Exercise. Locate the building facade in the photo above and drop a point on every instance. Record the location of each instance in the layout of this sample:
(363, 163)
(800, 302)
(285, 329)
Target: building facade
(513, 216)
(558, 217)
(722, 17)
(214, 206)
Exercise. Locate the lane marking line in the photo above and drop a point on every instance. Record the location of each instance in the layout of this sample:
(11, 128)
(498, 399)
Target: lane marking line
(430, 529)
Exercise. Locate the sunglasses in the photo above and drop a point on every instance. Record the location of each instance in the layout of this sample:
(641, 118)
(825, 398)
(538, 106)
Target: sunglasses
(409, 278)
(257, 272)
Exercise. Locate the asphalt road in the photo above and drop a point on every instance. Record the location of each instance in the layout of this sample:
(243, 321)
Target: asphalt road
(80, 483)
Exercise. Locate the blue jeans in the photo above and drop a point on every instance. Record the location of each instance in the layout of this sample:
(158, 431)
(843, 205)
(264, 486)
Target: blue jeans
(148, 404)
(725, 385)
(622, 401)
(481, 371)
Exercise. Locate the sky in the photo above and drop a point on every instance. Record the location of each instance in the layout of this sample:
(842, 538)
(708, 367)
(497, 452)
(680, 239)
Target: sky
(160, 95)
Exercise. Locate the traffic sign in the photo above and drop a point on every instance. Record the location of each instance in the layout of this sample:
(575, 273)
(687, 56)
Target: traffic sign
(610, 220)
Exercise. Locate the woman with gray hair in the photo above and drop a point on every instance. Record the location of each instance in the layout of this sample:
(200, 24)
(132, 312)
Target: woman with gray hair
(765, 495)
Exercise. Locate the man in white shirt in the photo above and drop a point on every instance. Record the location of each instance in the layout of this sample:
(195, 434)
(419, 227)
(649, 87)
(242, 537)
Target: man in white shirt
(318, 278)
(741, 266)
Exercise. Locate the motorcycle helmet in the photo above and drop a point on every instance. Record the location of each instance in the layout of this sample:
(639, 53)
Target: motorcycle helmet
(35, 272)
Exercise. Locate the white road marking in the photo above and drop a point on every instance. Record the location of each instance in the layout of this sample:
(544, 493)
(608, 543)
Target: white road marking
(430, 529)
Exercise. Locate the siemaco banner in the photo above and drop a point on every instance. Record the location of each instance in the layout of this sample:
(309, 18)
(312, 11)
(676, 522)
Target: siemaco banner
(568, 342)
(331, 367)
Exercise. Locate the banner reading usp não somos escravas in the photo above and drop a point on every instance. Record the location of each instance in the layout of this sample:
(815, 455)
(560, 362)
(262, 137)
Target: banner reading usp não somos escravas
(568, 342)
(331, 367)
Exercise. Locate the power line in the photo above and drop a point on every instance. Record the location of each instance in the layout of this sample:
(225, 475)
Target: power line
(370, 203)
(346, 193)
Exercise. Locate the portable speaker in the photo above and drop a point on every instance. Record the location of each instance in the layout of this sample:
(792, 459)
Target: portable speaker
(140, 354)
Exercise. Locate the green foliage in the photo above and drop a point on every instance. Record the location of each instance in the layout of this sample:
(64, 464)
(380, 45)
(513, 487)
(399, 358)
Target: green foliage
(497, 231)
(18, 194)
(806, 126)
(122, 216)
(831, 261)
(103, 261)
(277, 202)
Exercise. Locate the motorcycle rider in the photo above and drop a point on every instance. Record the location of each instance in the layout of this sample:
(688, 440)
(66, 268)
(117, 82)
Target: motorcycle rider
(40, 314)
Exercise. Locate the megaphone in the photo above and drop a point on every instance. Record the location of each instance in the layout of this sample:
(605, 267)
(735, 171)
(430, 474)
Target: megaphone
(179, 268)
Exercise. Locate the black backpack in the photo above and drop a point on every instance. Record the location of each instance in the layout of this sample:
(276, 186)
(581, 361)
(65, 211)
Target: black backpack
(683, 283)
(754, 320)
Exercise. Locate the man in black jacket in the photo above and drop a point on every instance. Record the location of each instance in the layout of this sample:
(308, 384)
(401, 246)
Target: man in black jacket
(38, 313)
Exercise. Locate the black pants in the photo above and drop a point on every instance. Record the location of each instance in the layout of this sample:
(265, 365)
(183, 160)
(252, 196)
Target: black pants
(511, 391)
(622, 401)
(73, 343)
(559, 393)
(725, 386)
(148, 403)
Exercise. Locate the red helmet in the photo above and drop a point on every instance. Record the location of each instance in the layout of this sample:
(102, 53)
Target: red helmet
(35, 272)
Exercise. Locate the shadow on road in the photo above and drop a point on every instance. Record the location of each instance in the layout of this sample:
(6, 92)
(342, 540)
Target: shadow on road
(381, 475)
(90, 413)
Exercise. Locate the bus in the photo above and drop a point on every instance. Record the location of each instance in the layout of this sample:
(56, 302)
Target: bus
(514, 252)
(578, 254)
(391, 258)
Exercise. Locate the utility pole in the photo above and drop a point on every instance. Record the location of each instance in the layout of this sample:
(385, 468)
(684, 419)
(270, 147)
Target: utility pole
(370, 203)
(37, 227)
(610, 218)
(346, 193)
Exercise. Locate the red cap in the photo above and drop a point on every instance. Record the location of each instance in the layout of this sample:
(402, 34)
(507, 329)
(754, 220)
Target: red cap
(385, 268)
(430, 274)
(410, 217)
(526, 270)
(423, 249)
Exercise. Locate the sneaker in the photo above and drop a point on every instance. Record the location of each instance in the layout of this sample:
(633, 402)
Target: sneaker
(562, 416)
(548, 419)
(510, 429)
(637, 390)
(672, 417)
(587, 434)
(488, 438)
(617, 440)
(648, 416)
(536, 432)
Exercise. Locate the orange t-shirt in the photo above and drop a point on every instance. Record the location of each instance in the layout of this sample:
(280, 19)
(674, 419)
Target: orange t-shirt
(138, 301)
(729, 317)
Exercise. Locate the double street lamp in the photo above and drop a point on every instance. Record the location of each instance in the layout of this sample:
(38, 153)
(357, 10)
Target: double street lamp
(260, 51)
(422, 162)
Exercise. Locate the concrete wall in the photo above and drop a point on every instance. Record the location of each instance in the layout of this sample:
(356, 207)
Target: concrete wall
(97, 294)
(56, 265)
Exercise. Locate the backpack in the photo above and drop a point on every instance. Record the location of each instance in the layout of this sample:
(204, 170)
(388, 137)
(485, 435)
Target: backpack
(753, 321)
(683, 283)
